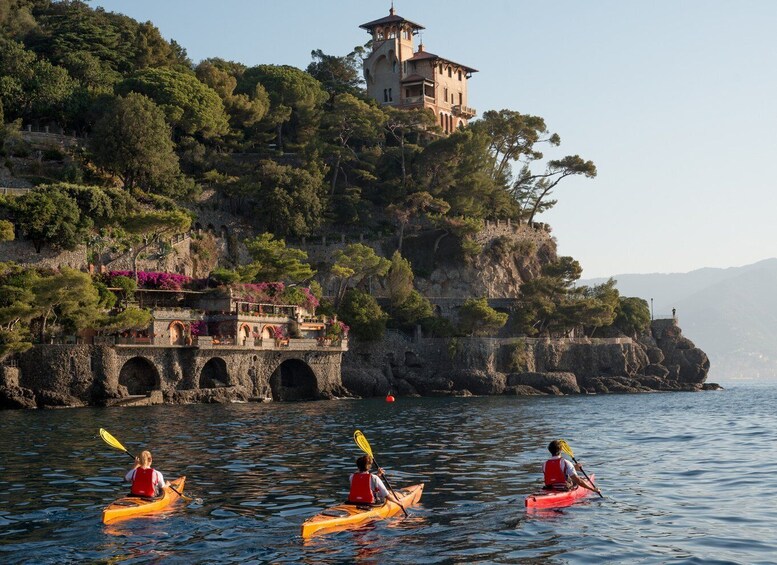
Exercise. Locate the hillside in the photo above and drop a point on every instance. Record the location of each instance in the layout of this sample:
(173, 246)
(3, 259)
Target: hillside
(729, 313)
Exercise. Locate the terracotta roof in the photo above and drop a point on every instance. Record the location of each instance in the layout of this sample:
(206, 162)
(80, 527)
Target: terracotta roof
(392, 18)
(425, 56)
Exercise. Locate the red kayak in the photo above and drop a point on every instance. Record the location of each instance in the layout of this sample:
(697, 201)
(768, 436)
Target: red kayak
(556, 498)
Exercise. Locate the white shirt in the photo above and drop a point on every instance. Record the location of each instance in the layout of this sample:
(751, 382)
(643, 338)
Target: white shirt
(376, 485)
(157, 479)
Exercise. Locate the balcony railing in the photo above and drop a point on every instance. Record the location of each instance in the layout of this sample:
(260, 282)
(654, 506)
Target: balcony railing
(464, 111)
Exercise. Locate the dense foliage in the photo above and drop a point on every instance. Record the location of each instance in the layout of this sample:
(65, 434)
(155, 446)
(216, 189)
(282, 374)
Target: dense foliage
(296, 153)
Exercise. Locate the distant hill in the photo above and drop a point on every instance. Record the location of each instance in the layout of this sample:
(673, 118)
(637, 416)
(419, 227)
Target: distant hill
(731, 314)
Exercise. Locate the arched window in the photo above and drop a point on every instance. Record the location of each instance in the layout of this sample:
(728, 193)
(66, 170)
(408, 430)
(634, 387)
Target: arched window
(394, 66)
(385, 95)
(390, 97)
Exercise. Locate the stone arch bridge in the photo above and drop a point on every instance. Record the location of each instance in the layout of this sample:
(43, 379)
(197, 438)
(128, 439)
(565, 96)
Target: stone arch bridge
(107, 373)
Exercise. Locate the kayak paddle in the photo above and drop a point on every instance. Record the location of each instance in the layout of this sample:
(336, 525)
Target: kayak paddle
(116, 444)
(364, 445)
(568, 450)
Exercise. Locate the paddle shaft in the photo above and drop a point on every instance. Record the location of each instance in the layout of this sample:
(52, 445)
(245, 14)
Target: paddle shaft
(388, 484)
(175, 490)
(590, 482)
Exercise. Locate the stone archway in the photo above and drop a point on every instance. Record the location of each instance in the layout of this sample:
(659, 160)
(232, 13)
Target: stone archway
(139, 375)
(244, 335)
(177, 333)
(293, 380)
(214, 374)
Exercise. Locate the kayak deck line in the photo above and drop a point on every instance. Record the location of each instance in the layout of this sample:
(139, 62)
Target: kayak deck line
(131, 506)
(556, 499)
(345, 516)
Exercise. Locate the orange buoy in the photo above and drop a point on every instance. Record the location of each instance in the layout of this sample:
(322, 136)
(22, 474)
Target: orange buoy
(389, 398)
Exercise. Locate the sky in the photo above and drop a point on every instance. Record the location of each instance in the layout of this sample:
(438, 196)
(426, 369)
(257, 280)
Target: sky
(675, 101)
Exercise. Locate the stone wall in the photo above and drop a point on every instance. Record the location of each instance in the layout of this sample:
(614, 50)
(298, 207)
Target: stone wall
(659, 360)
(74, 375)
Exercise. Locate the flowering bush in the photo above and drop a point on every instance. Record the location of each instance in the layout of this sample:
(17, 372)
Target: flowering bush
(154, 280)
(259, 292)
(277, 332)
(337, 329)
(199, 327)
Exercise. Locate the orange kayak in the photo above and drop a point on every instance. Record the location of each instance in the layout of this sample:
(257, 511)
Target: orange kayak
(556, 498)
(131, 506)
(345, 516)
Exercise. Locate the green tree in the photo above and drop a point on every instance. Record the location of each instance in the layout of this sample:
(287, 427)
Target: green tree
(355, 264)
(50, 217)
(148, 228)
(399, 279)
(362, 313)
(32, 88)
(401, 124)
(190, 105)
(415, 309)
(245, 110)
(6, 231)
(296, 102)
(476, 317)
(338, 75)
(131, 318)
(288, 200)
(69, 297)
(531, 190)
(273, 261)
(349, 121)
(632, 316)
(132, 140)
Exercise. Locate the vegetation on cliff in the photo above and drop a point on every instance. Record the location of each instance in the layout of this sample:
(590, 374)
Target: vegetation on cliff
(293, 153)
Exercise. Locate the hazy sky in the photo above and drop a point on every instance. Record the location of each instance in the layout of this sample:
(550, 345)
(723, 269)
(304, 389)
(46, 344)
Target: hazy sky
(674, 100)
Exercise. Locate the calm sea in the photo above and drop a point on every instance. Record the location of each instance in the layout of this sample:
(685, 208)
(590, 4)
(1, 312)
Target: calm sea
(687, 479)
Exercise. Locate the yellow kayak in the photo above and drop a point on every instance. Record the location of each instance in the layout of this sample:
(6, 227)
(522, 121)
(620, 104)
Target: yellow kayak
(344, 516)
(131, 506)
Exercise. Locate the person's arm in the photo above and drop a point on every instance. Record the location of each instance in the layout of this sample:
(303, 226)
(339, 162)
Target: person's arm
(580, 482)
(382, 490)
(130, 476)
(161, 480)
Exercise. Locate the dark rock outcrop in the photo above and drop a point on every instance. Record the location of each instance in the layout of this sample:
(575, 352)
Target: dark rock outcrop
(661, 360)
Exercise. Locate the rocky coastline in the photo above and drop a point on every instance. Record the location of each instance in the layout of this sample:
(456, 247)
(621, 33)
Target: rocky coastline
(661, 360)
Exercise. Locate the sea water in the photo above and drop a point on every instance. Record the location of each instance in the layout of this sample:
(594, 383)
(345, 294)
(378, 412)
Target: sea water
(686, 477)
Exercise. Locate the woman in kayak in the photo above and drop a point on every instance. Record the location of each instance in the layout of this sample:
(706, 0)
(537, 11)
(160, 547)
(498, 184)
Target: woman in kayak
(367, 488)
(561, 474)
(145, 480)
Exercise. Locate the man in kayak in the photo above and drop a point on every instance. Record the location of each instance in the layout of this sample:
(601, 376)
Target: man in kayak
(561, 474)
(145, 481)
(367, 488)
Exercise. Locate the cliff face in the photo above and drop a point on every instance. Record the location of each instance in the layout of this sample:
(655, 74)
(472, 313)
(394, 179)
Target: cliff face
(511, 254)
(660, 360)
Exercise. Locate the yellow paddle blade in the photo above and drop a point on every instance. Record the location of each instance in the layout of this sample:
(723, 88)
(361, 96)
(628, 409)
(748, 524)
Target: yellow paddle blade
(110, 440)
(565, 448)
(362, 442)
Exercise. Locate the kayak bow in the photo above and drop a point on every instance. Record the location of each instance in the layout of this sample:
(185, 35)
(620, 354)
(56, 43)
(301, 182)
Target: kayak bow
(131, 506)
(344, 516)
(556, 498)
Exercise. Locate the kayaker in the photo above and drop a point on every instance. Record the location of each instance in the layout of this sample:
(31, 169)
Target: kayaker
(367, 488)
(560, 473)
(145, 481)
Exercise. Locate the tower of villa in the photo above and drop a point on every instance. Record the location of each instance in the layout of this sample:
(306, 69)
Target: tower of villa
(398, 75)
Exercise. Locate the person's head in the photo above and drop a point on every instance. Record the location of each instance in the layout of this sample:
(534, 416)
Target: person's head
(554, 447)
(145, 458)
(364, 463)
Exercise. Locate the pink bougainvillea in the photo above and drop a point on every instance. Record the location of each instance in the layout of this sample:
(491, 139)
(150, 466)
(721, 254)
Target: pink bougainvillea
(154, 280)
(200, 327)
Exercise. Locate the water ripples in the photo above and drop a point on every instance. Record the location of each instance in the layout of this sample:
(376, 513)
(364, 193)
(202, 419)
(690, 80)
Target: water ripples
(684, 477)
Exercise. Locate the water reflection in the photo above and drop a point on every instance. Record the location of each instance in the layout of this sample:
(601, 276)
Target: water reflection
(261, 469)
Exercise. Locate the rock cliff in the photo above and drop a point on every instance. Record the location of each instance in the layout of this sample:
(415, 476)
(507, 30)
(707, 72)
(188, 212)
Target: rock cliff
(661, 360)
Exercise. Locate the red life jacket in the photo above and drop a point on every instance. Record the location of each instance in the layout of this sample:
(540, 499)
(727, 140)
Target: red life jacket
(361, 489)
(143, 483)
(554, 473)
